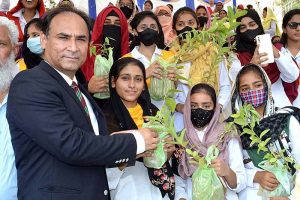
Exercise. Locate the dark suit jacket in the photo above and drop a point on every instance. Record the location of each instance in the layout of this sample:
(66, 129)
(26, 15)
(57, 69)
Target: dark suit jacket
(58, 156)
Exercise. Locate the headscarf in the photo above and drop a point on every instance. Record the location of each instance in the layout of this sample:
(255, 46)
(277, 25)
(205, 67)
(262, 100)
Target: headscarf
(97, 34)
(126, 122)
(212, 135)
(208, 15)
(236, 101)
(40, 8)
(31, 59)
(269, 18)
(245, 53)
(166, 25)
(135, 10)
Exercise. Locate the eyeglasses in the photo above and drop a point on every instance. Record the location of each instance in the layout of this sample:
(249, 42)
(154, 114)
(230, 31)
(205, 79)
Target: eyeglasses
(293, 25)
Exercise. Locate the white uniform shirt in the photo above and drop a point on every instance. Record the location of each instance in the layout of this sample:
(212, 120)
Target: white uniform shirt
(22, 20)
(296, 103)
(184, 187)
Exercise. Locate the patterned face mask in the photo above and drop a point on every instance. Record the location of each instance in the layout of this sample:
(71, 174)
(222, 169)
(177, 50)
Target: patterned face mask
(254, 97)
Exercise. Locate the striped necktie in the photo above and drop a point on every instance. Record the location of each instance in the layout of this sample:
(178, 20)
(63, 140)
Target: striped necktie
(80, 97)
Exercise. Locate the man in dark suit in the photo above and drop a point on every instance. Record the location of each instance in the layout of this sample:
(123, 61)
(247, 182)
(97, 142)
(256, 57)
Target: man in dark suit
(58, 133)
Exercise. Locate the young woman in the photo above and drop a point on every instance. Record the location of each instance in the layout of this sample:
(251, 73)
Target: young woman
(203, 16)
(110, 23)
(252, 86)
(164, 15)
(31, 48)
(222, 14)
(128, 106)
(283, 73)
(148, 6)
(291, 40)
(148, 46)
(203, 129)
(270, 22)
(24, 11)
(185, 20)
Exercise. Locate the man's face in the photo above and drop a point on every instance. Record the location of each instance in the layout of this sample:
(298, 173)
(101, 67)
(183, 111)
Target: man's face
(6, 46)
(66, 45)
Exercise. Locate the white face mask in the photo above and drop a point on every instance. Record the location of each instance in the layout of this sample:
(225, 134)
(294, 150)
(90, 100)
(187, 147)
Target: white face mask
(34, 45)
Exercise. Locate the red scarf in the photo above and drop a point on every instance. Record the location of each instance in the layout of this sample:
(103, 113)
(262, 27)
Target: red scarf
(40, 7)
(291, 89)
(88, 66)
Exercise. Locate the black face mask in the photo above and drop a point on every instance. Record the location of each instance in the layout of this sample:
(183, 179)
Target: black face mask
(182, 33)
(201, 117)
(202, 20)
(250, 35)
(148, 36)
(127, 11)
(113, 32)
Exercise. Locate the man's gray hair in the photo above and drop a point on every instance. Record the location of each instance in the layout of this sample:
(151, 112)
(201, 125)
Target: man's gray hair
(12, 29)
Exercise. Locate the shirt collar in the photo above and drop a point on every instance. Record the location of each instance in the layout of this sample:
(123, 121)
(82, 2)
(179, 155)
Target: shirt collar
(4, 101)
(19, 14)
(136, 54)
(65, 77)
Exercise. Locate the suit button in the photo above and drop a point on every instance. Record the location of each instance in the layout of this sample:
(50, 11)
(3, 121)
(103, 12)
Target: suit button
(105, 192)
(127, 159)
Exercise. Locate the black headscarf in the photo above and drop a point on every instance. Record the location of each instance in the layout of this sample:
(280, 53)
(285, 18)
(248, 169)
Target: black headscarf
(121, 112)
(125, 121)
(31, 60)
(241, 45)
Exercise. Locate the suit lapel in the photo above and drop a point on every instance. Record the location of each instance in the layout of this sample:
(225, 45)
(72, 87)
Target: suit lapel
(61, 81)
(97, 111)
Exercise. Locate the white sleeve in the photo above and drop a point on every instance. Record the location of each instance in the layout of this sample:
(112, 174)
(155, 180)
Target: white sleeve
(289, 70)
(272, 29)
(181, 96)
(225, 87)
(140, 142)
(113, 177)
(235, 67)
(250, 171)
(180, 188)
(236, 165)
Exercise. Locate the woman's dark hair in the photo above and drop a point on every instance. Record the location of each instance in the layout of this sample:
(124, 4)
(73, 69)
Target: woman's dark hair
(182, 10)
(223, 11)
(207, 89)
(150, 2)
(287, 17)
(137, 20)
(265, 9)
(56, 11)
(120, 64)
(31, 60)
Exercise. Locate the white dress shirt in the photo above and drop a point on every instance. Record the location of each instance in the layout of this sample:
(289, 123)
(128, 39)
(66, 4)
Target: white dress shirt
(184, 187)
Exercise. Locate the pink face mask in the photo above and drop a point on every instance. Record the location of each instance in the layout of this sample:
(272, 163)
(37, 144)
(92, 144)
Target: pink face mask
(254, 97)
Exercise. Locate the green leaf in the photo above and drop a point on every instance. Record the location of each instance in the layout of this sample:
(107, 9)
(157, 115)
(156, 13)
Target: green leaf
(264, 133)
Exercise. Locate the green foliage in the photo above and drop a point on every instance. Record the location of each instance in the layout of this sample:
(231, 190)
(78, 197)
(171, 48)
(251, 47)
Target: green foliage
(247, 118)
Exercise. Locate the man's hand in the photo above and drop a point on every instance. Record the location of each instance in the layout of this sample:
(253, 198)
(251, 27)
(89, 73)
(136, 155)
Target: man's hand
(150, 137)
(98, 84)
(267, 180)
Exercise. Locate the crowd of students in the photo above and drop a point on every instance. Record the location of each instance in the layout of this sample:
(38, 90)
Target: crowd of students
(138, 39)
